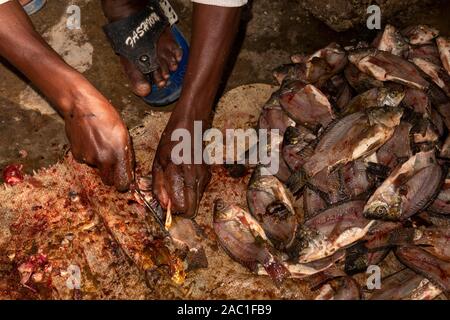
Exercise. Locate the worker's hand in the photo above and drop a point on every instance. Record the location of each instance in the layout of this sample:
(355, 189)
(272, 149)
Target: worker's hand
(180, 185)
(98, 137)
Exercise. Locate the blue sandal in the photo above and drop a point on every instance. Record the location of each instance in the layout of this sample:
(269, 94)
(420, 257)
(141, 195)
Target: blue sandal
(34, 6)
(135, 38)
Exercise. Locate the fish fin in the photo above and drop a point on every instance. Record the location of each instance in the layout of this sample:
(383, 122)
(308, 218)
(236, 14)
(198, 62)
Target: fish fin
(296, 181)
(356, 259)
(277, 271)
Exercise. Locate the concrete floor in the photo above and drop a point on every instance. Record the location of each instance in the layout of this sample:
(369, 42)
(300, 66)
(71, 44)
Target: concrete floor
(31, 133)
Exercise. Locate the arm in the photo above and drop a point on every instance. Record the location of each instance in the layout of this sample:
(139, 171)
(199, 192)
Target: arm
(95, 131)
(213, 33)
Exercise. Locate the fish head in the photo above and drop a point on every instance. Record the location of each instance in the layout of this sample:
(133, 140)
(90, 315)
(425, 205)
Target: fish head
(385, 210)
(386, 116)
(393, 97)
(223, 211)
(292, 136)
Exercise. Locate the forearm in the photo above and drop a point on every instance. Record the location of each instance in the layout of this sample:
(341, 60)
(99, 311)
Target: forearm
(213, 33)
(24, 48)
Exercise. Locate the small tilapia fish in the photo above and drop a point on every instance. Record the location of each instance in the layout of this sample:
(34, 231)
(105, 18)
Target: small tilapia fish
(271, 204)
(406, 285)
(306, 105)
(244, 240)
(385, 66)
(418, 101)
(391, 41)
(441, 205)
(298, 146)
(273, 116)
(435, 239)
(325, 63)
(426, 264)
(342, 288)
(360, 81)
(420, 34)
(435, 72)
(338, 91)
(332, 229)
(409, 188)
(313, 203)
(352, 137)
(186, 236)
(376, 97)
(397, 148)
(444, 52)
(427, 52)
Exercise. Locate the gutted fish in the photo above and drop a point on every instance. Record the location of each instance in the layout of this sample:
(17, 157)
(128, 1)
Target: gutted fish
(391, 41)
(342, 288)
(376, 97)
(409, 189)
(441, 204)
(332, 229)
(352, 137)
(397, 149)
(444, 52)
(271, 204)
(435, 240)
(273, 117)
(426, 264)
(406, 285)
(360, 81)
(435, 72)
(306, 105)
(338, 91)
(186, 235)
(427, 52)
(420, 34)
(313, 203)
(418, 101)
(298, 146)
(244, 240)
(385, 66)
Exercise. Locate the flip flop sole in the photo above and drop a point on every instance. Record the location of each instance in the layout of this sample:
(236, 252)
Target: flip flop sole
(34, 6)
(171, 92)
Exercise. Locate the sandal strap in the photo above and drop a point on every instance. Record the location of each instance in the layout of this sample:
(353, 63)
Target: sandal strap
(135, 37)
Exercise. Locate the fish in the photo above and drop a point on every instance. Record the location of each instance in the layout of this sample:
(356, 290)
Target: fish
(329, 186)
(341, 288)
(420, 34)
(406, 285)
(443, 45)
(372, 248)
(186, 235)
(426, 264)
(409, 189)
(350, 138)
(338, 92)
(245, 241)
(376, 97)
(325, 63)
(298, 146)
(355, 179)
(360, 81)
(273, 116)
(392, 41)
(427, 52)
(397, 148)
(331, 230)
(434, 239)
(441, 205)
(418, 101)
(385, 66)
(306, 105)
(437, 74)
(313, 203)
(271, 204)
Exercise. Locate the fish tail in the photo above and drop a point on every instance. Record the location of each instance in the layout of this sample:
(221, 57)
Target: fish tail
(296, 181)
(277, 271)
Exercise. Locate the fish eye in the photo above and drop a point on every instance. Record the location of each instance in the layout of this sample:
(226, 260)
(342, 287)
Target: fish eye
(381, 210)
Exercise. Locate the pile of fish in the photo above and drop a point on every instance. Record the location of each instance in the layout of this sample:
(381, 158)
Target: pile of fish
(363, 171)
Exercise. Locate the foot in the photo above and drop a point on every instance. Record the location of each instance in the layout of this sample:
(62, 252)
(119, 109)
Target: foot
(168, 52)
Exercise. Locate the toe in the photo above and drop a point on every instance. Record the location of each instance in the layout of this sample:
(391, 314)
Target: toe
(139, 83)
